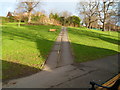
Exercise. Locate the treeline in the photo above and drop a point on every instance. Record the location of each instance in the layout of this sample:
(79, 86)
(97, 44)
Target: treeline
(63, 19)
(104, 15)
(26, 12)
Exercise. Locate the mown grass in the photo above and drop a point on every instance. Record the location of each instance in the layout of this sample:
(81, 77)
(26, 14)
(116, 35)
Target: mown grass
(88, 44)
(25, 48)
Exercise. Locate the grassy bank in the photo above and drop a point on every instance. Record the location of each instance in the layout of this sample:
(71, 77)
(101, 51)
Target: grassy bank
(90, 44)
(25, 48)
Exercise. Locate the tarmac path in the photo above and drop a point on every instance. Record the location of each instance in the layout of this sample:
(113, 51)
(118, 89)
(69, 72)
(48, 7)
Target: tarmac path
(61, 54)
(60, 72)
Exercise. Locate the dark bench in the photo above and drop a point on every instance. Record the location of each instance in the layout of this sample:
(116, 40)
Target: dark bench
(115, 82)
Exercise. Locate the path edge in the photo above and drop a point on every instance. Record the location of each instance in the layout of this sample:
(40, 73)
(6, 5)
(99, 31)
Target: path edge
(42, 66)
(71, 48)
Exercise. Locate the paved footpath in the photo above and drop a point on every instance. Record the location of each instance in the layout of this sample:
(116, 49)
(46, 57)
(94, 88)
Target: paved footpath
(60, 72)
(61, 54)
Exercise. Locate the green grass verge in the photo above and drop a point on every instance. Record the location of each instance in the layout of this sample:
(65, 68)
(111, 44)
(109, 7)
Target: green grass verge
(88, 44)
(25, 48)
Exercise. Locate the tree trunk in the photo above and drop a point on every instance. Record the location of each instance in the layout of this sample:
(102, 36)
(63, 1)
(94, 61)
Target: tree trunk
(74, 24)
(90, 26)
(89, 23)
(103, 28)
(29, 17)
(19, 23)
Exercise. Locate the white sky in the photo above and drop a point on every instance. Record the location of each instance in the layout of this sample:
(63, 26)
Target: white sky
(47, 6)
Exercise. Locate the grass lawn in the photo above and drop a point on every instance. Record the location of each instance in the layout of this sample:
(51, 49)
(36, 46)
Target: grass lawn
(25, 48)
(88, 44)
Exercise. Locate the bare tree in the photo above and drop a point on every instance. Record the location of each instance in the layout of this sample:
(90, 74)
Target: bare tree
(118, 16)
(89, 11)
(106, 10)
(28, 6)
(65, 14)
(18, 15)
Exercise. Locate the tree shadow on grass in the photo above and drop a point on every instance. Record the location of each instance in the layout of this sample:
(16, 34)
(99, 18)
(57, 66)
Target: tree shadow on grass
(44, 46)
(11, 70)
(83, 53)
(96, 35)
(14, 70)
